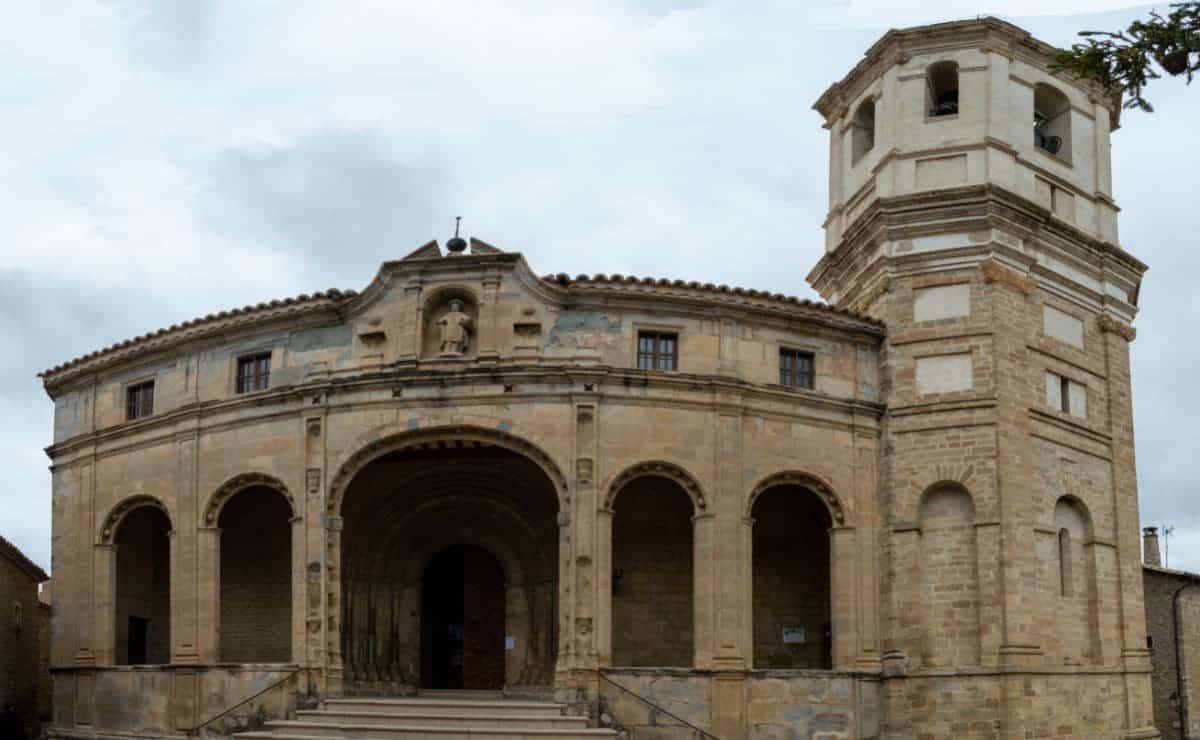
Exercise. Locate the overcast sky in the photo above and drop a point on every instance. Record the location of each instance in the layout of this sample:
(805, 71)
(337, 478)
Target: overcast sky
(162, 164)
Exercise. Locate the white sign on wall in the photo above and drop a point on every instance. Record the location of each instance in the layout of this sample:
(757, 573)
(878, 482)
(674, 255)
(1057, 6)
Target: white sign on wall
(510, 643)
(793, 636)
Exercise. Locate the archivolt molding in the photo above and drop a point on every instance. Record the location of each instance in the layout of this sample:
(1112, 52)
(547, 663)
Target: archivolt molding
(660, 469)
(240, 483)
(803, 480)
(122, 509)
(441, 438)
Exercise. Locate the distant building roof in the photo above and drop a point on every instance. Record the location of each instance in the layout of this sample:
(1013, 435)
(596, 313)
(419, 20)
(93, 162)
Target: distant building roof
(1171, 571)
(10, 551)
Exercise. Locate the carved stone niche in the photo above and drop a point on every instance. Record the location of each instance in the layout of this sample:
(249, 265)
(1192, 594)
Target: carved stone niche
(451, 330)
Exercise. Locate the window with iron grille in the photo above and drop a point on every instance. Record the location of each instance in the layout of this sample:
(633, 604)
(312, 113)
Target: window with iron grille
(254, 372)
(658, 350)
(139, 400)
(795, 368)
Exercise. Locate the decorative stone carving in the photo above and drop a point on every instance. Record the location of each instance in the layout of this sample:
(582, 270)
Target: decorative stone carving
(438, 437)
(240, 483)
(1110, 325)
(660, 469)
(993, 272)
(312, 481)
(803, 480)
(118, 512)
(454, 326)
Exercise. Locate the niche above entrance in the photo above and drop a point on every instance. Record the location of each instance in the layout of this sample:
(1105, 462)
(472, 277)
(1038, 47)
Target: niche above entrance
(451, 325)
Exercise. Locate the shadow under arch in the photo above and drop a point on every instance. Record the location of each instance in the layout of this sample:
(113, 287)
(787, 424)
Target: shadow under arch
(405, 499)
(658, 469)
(800, 479)
(459, 436)
(122, 509)
(239, 483)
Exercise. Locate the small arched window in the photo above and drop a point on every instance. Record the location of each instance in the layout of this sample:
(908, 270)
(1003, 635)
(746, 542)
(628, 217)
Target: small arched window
(1051, 121)
(941, 89)
(862, 129)
(1064, 562)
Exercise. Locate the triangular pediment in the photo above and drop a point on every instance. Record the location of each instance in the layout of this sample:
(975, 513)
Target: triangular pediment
(427, 251)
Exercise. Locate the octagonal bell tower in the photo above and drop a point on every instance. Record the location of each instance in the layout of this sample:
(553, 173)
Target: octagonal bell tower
(971, 209)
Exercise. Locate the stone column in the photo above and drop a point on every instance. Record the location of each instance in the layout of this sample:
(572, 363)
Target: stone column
(86, 535)
(184, 581)
(704, 592)
(104, 614)
(584, 529)
(746, 582)
(299, 599)
(604, 567)
(727, 504)
(842, 593)
(488, 319)
(412, 327)
(333, 627)
(310, 555)
(208, 567)
(564, 662)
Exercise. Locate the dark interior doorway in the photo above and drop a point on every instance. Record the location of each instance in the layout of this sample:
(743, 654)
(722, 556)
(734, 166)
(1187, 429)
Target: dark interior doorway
(462, 620)
(138, 629)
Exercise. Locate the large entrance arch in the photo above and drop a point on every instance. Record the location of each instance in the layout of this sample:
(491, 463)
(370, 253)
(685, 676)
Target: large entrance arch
(449, 568)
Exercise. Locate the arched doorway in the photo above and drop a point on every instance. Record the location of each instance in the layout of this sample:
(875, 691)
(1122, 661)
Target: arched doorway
(463, 620)
(653, 611)
(791, 579)
(143, 587)
(437, 537)
(256, 577)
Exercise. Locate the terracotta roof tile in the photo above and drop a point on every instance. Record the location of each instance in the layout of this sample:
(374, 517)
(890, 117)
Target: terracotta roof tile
(564, 280)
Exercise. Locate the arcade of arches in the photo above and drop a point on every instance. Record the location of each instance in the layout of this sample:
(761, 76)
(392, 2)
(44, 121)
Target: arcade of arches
(450, 561)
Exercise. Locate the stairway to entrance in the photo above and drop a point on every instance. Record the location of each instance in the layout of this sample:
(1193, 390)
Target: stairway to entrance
(432, 715)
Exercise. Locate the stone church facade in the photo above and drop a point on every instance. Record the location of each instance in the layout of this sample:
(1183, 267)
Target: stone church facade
(911, 513)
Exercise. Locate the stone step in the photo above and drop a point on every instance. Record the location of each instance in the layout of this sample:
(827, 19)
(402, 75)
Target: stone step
(288, 731)
(456, 707)
(434, 717)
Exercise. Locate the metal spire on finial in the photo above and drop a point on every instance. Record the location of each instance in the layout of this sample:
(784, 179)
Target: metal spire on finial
(457, 244)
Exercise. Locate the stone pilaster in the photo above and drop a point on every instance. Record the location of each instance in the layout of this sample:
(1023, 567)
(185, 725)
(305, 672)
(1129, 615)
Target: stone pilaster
(185, 585)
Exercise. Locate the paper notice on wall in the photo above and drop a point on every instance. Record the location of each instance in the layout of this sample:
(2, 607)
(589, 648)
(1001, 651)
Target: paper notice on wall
(793, 636)
(510, 643)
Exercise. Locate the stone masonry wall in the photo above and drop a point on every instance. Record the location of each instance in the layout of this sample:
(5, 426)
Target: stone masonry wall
(20, 618)
(256, 578)
(652, 603)
(791, 579)
(1160, 584)
(143, 583)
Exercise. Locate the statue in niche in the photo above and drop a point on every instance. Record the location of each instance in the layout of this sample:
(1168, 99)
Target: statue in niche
(453, 326)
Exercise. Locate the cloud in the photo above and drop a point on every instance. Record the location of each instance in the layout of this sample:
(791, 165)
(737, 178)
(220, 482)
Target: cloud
(166, 161)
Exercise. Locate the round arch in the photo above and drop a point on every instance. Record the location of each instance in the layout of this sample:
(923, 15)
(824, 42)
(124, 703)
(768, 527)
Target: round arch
(658, 469)
(804, 480)
(443, 437)
(122, 509)
(239, 483)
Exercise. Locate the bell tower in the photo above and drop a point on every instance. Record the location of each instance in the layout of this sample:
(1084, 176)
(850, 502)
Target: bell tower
(971, 210)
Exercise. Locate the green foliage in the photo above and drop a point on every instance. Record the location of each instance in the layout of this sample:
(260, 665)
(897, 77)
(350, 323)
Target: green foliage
(1125, 61)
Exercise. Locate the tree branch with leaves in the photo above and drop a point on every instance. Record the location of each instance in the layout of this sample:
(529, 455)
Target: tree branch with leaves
(1125, 61)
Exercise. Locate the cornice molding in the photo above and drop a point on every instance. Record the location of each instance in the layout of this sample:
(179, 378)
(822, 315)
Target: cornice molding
(1112, 326)
(994, 272)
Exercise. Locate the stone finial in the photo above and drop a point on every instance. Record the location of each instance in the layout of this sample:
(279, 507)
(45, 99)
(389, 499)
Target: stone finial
(1150, 553)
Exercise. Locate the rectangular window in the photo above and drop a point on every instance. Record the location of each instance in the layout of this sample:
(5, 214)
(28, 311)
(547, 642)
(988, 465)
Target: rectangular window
(254, 373)
(1065, 395)
(658, 350)
(139, 400)
(795, 368)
